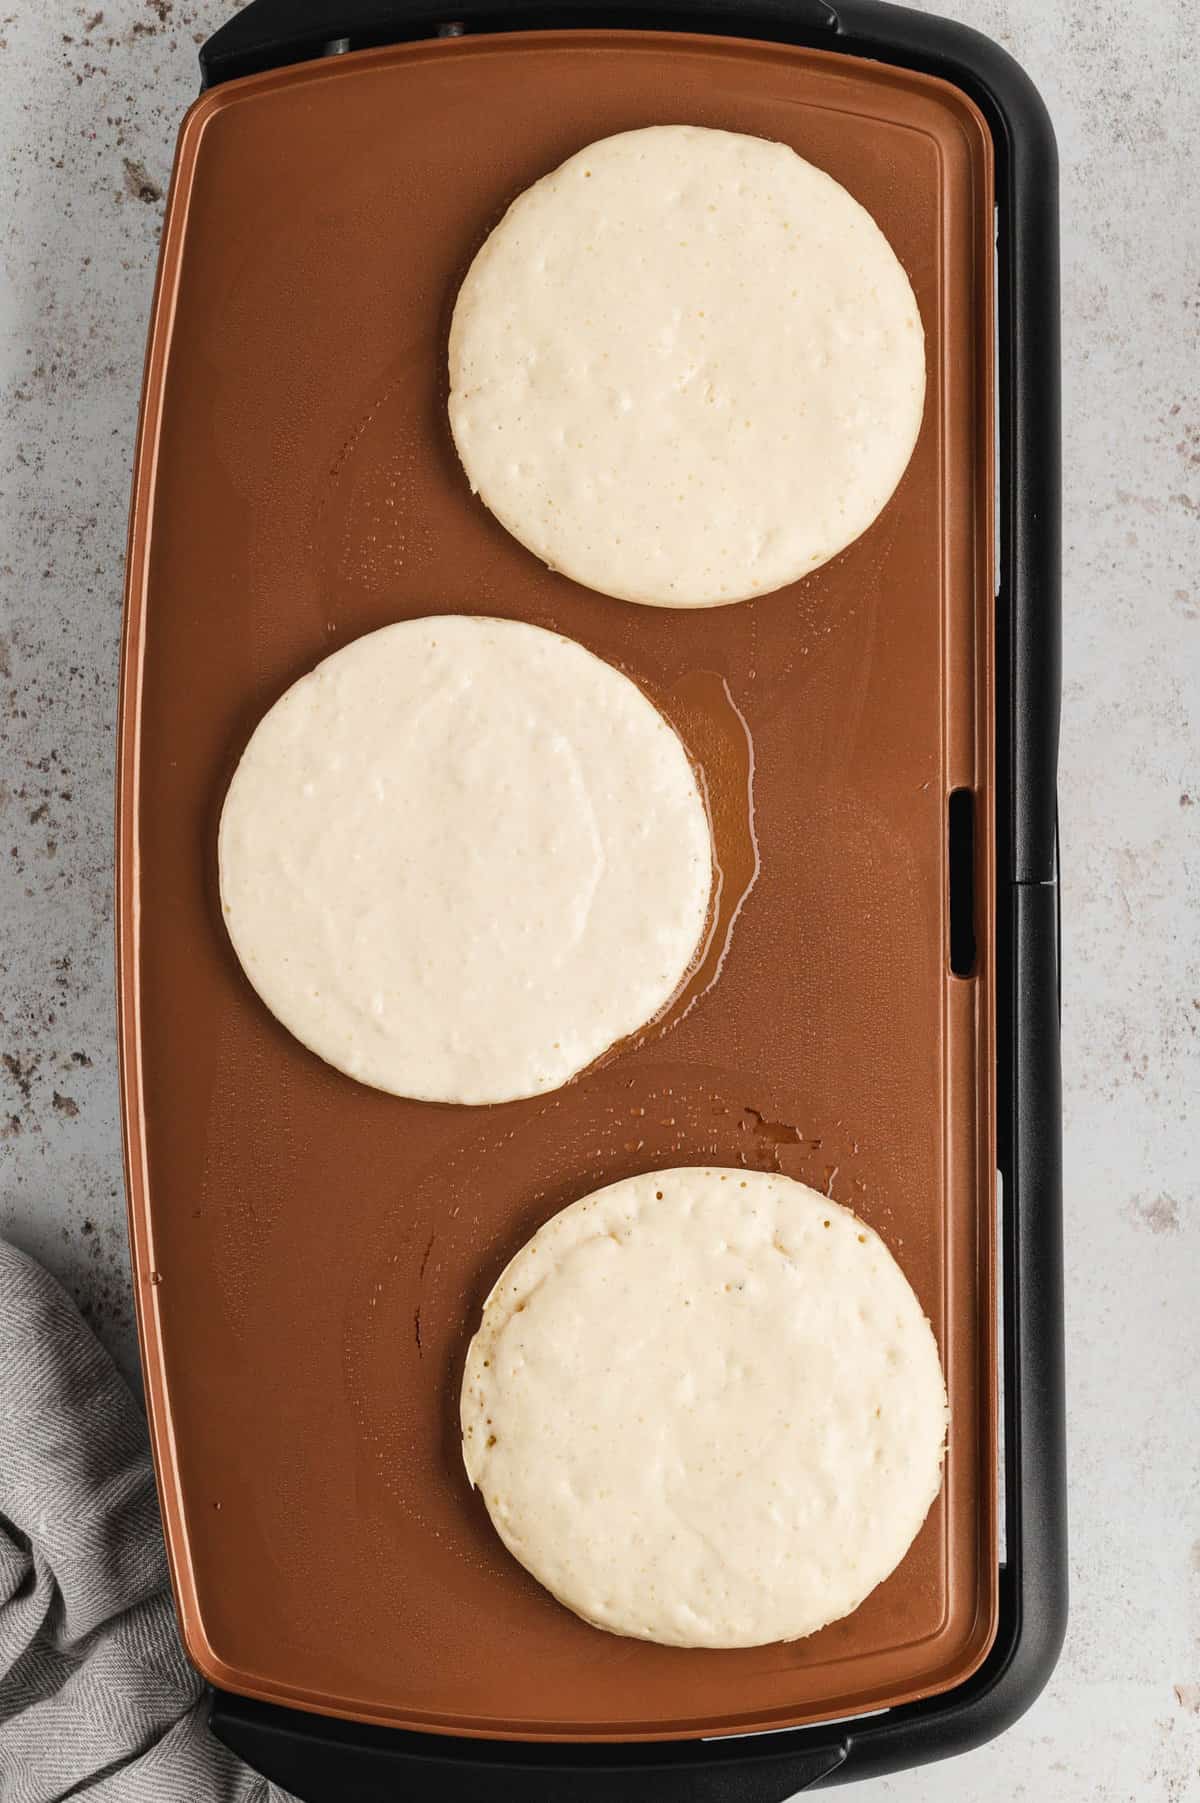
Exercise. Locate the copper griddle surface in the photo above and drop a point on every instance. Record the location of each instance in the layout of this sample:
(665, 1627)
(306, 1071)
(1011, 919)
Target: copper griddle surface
(311, 1256)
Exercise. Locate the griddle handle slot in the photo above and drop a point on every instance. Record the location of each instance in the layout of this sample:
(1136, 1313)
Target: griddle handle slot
(960, 833)
(322, 1761)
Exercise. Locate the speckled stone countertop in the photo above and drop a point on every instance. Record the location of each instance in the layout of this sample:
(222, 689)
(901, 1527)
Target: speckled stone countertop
(90, 99)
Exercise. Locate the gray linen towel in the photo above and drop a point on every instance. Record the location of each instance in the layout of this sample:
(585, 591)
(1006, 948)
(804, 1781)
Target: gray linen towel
(96, 1697)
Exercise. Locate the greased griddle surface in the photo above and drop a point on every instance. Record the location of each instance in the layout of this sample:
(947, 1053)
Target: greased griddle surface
(311, 1256)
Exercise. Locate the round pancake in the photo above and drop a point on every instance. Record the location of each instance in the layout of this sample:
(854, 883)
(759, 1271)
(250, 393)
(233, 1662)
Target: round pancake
(463, 857)
(705, 1408)
(686, 368)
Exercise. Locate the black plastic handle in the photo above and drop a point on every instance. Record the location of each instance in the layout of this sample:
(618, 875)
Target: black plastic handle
(331, 1762)
(323, 1761)
(268, 34)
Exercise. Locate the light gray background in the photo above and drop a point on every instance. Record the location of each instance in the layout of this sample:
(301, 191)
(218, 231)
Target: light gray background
(90, 99)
